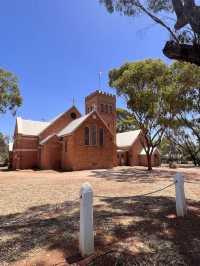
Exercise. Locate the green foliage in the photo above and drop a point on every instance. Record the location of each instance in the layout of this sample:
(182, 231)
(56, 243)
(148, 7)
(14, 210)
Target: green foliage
(125, 120)
(185, 143)
(3, 149)
(9, 92)
(146, 86)
(170, 150)
(180, 18)
(184, 132)
(164, 147)
(162, 100)
(130, 7)
(186, 80)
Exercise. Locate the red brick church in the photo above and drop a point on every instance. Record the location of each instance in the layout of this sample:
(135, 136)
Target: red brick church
(74, 142)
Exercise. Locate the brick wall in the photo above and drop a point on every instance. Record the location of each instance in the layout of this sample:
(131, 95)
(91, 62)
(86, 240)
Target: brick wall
(80, 156)
(60, 123)
(155, 159)
(68, 152)
(50, 154)
(136, 159)
(134, 152)
(25, 152)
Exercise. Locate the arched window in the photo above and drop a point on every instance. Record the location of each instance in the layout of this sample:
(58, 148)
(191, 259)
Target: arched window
(94, 135)
(101, 136)
(86, 136)
(111, 109)
(66, 145)
(106, 107)
(102, 108)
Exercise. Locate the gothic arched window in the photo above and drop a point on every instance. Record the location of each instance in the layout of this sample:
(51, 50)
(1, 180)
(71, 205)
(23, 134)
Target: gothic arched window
(94, 135)
(106, 108)
(101, 136)
(86, 136)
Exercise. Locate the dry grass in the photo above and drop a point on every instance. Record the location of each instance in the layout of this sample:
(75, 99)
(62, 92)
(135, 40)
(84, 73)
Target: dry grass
(39, 215)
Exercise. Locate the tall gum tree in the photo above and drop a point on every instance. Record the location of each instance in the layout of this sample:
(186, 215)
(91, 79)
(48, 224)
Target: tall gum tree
(146, 87)
(185, 130)
(10, 97)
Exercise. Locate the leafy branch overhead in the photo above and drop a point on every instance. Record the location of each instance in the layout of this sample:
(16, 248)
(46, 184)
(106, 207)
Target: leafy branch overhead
(181, 18)
(10, 97)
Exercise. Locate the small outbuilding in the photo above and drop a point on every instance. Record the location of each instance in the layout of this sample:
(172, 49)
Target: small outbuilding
(131, 152)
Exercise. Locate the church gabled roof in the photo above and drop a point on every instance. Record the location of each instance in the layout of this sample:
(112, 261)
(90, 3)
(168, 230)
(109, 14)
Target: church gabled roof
(46, 139)
(29, 127)
(75, 124)
(58, 116)
(35, 128)
(72, 126)
(126, 139)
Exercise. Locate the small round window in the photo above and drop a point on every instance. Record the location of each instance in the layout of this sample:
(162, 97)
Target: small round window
(73, 115)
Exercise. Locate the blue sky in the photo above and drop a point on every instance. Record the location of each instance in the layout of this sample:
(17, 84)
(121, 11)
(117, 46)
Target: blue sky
(57, 47)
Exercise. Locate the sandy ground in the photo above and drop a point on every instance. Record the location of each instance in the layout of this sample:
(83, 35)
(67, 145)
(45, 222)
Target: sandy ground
(39, 214)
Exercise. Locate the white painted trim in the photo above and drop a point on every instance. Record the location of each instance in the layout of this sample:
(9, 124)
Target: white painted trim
(19, 125)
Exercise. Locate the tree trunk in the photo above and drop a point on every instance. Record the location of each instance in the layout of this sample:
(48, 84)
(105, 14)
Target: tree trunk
(194, 160)
(182, 52)
(149, 162)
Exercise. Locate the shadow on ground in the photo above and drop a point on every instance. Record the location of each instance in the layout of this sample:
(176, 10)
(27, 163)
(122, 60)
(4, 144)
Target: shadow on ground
(145, 227)
(141, 175)
(40, 227)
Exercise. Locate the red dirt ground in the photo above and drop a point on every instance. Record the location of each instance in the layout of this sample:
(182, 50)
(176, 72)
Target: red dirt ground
(39, 216)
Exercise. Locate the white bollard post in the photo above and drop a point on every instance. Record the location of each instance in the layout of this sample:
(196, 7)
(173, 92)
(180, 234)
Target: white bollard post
(181, 208)
(86, 238)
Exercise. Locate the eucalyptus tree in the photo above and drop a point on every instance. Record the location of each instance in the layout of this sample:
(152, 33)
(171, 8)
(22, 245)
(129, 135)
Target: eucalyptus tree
(180, 18)
(185, 131)
(124, 120)
(3, 148)
(146, 87)
(10, 97)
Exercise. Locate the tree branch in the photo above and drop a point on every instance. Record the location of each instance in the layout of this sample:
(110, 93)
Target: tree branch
(157, 20)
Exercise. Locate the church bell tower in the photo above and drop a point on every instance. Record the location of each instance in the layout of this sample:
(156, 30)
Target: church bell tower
(105, 104)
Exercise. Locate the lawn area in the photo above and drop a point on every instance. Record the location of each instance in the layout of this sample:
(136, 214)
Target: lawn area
(39, 216)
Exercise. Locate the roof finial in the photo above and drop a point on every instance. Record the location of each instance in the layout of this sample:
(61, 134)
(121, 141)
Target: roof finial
(100, 75)
(73, 101)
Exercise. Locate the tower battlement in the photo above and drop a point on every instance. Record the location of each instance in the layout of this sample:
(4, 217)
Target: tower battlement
(100, 92)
